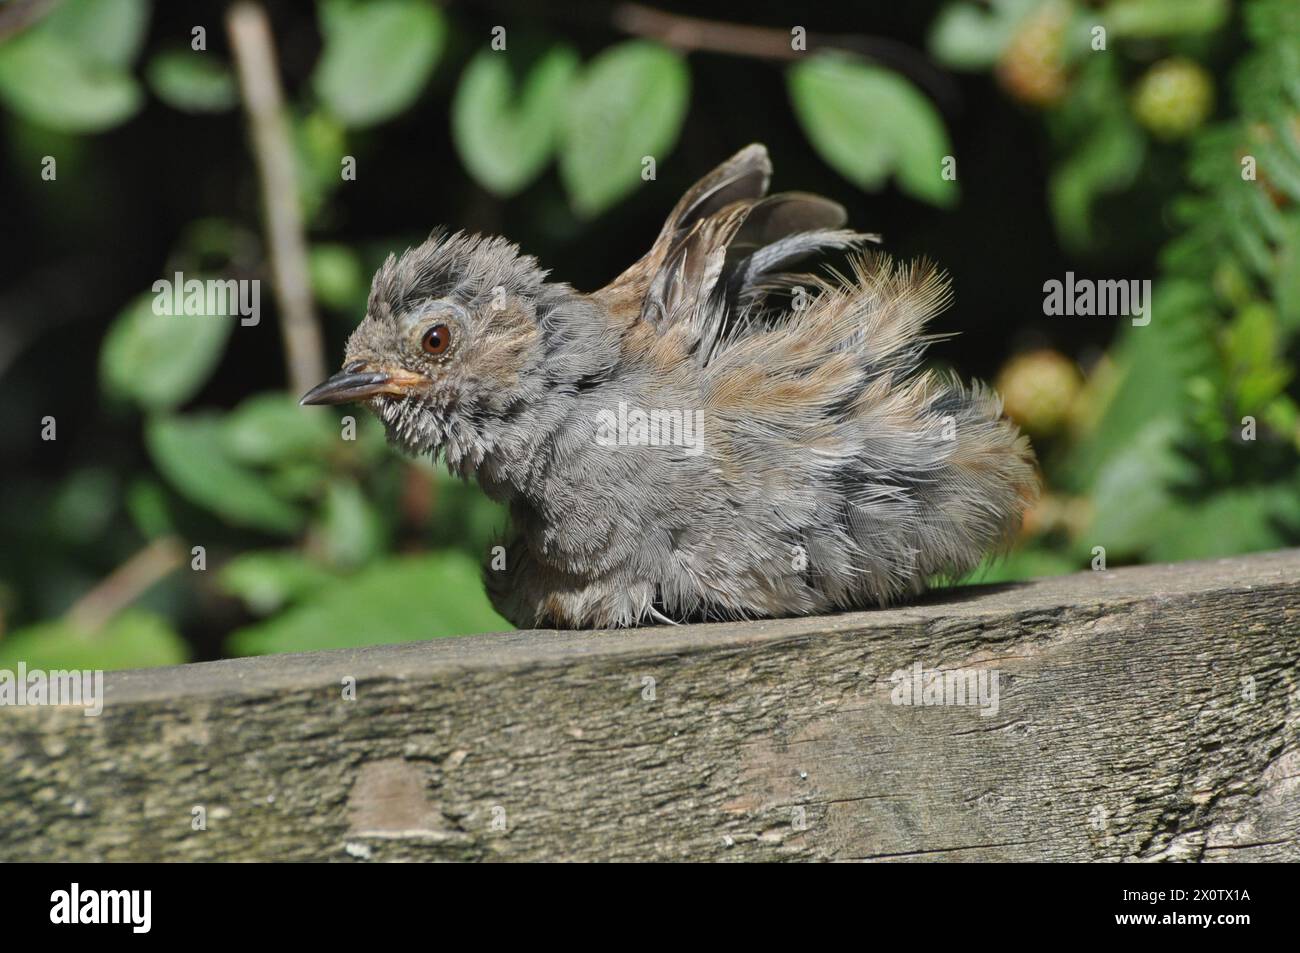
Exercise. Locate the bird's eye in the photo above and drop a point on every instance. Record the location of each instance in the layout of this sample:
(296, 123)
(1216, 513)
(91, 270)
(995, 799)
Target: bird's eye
(436, 340)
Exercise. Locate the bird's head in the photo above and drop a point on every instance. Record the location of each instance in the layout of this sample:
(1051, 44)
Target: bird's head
(454, 347)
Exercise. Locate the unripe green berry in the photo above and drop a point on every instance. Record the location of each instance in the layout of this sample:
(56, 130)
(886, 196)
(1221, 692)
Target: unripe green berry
(1174, 98)
(1038, 389)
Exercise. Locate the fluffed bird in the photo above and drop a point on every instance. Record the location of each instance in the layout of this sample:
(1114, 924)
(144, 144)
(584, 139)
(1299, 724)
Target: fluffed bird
(712, 435)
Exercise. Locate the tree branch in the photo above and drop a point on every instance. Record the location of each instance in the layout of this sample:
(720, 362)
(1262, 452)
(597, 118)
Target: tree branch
(715, 36)
(126, 583)
(254, 54)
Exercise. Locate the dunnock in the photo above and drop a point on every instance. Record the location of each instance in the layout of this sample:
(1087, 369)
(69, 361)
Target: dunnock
(710, 436)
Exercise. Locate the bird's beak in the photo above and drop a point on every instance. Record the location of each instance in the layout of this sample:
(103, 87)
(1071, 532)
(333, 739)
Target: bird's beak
(349, 386)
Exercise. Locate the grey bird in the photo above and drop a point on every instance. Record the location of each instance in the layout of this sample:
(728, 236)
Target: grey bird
(710, 436)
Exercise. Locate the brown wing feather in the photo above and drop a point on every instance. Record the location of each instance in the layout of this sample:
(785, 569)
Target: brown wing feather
(743, 177)
(725, 229)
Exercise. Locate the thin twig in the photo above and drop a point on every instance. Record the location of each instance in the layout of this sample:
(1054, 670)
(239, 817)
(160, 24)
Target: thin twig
(694, 33)
(716, 36)
(254, 54)
(126, 583)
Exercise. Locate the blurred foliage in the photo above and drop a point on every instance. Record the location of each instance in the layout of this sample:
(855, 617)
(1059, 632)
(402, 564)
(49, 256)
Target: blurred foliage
(373, 607)
(506, 141)
(314, 534)
(191, 83)
(72, 71)
(132, 639)
(377, 57)
(626, 107)
(1185, 441)
(157, 361)
(869, 123)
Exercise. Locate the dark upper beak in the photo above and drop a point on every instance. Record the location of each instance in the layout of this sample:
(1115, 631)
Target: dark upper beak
(347, 386)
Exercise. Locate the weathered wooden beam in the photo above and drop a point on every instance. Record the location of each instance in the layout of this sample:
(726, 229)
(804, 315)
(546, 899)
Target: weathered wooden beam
(1146, 713)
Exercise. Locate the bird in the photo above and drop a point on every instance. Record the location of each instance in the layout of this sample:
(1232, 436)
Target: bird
(713, 435)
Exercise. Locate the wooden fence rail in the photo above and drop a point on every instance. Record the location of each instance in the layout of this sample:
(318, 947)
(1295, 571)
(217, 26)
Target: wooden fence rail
(1149, 713)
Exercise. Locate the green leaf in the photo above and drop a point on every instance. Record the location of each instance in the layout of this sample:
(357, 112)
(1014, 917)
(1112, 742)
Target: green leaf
(192, 81)
(1244, 519)
(297, 479)
(506, 140)
(352, 531)
(320, 143)
(52, 84)
(146, 501)
(103, 32)
(1252, 338)
(967, 37)
(1286, 280)
(628, 105)
(190, 454)
(1154, 366)
(268, 580)
(1253, 350)
(133, 639)
(159, 361)
(1109, 160)
(337, 278)
(272, 428)
(869, 123)
(1147, 19)
(398, 600)
(1021, 564)
(377, 58)
(1280, 169)
(1133, 501)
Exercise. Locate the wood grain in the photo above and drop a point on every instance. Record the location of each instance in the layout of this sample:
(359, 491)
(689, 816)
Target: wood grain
(1150, 713)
